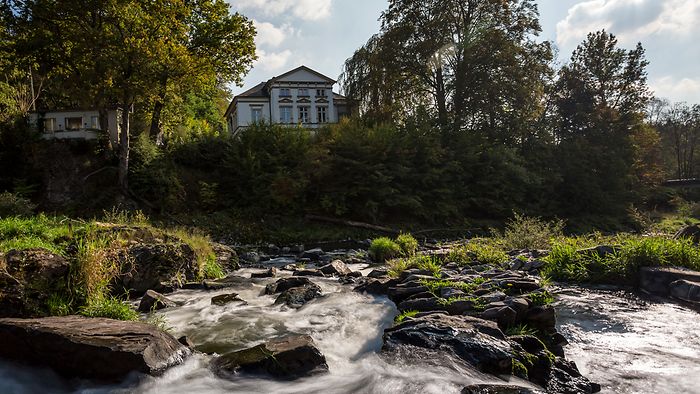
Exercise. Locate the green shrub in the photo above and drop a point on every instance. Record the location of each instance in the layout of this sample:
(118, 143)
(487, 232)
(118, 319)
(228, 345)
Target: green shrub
(110, 308)
(524, 232)
(541, 298)
(521, 329)
(426, 263)
(477, 250)
(408, 244)
(15, 205)
(383, 249)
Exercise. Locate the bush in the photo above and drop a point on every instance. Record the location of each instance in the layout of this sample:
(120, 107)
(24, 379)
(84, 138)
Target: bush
(408, 244)
(479, 251)
(13, 205)
(383, 249)
(524, 232)
(426, 263)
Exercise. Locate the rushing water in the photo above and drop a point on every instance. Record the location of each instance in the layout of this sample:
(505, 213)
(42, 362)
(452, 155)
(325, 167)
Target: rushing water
(626, 344)
(630, 343)
(346, 326)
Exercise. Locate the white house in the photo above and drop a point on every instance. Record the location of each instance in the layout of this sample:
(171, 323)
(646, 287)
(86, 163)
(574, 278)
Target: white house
(76, 124)
(298, 97)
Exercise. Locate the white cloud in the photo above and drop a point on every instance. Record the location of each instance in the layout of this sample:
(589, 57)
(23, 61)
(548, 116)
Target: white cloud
(271, 35)
(684, 89)
(272, 61)
(630, 20)
(304, 9)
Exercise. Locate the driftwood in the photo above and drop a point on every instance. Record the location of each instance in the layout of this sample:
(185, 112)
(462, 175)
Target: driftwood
(351, 223)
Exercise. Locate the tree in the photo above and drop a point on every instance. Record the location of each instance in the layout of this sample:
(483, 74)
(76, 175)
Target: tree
(601, 98)
(120, 52)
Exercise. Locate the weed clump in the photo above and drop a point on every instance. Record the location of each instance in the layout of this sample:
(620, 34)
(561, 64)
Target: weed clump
(383, 249)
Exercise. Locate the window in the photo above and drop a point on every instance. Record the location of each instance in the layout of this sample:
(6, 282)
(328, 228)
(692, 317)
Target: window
(49, 124)
(256, 115)
(285, 93)
(74, 123)
(95, 122)
(303, 92)
(320, 93)
(285, 114)
(322, 113)
(304, 114)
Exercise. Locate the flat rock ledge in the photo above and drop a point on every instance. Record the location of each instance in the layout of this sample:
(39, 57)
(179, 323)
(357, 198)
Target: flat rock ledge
(286, 358)
(90, 348)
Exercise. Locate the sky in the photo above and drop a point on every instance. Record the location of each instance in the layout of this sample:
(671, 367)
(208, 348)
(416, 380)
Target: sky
(322, 34)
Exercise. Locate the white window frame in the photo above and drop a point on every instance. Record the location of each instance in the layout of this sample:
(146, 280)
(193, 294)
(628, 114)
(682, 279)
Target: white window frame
(95, 122)
(49, 125)
(67, 120)
(321, 93)
(304, 115)
(322, 114)
(288, 111)
(256, 115)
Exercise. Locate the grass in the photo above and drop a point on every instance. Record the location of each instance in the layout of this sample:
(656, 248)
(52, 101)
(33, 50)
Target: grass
(408, 245)
(383, 249)
(110, 308)
(566, 263)
(406, 314)
(479, 250)
(540, 298)
(521, 329)
(426, 263)
(35, 232)
(479, 304)
(467, 287)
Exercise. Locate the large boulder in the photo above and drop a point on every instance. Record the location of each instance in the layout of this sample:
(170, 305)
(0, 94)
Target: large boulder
(79, 347)
(336, 268)
(286, 284)
(690, 232)
(296, 297)
(28, 278)
(685, 290)
(476, 341)
(499, 389)
(284, 358)
(226, 257)
(153, 301)
(657, 280)
(160, 266)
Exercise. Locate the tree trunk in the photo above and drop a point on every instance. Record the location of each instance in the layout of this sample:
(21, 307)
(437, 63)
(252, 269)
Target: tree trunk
(156, 133)
(441, 100)
(124, 151)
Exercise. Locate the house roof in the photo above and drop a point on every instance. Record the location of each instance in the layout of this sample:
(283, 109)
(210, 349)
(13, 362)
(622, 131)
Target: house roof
(302, 68)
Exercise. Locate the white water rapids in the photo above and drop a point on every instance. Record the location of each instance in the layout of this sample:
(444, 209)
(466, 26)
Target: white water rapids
(627, 345)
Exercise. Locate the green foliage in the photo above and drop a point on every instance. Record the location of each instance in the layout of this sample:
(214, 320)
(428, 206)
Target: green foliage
(566, 263)
(540, 298)
(426, 263)
(478, 251)
(467, 287)
(524, 232)
(383, 249)
(521, 329)
(14, 205)
(57, 305)
(408, 244)
(34, 232)
(519, 369)
(405, 314)
(110, 308)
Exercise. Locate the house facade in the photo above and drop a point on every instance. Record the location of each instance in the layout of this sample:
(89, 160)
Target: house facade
(301, 97)
(76, 124)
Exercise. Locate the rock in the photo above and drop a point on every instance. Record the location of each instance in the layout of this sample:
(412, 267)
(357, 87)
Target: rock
(691, 232)
(460, 307)
(493, 296)
(28, 278)
(296, 297)
(226, 257)
(542, 318)
(420, 305)
(477, 342)
(685, 290)
(250, 257)
(336, 268)
(313, 254)
(519, 305)
(529, 343)
(522, 285)
(286, 284)
(657, 280)
(224, 299)
(376, 286)
(270, 273)
(290, 267)
(378, 273)
(449, 292)
(285, 358)
(564, 377)
(160, 267)
(90, 348)
(504, 316)
(537, 264)
(185, 341)
(515, 264)
(499, 389)
(308, 273)
(402, 291)
(153, 301)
